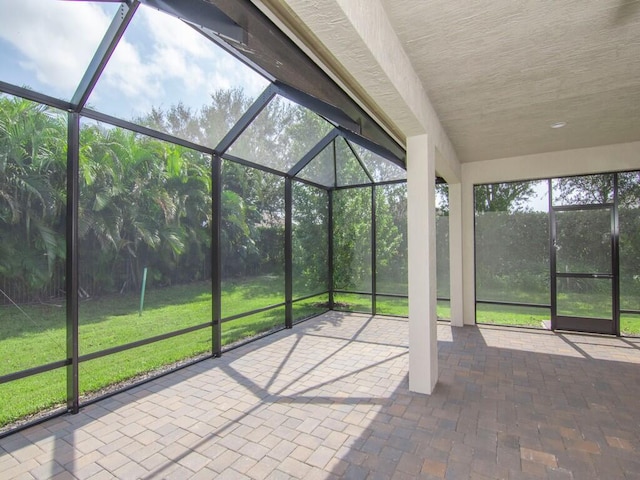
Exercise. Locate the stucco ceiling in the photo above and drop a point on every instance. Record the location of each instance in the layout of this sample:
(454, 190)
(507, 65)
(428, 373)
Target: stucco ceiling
(500, 72)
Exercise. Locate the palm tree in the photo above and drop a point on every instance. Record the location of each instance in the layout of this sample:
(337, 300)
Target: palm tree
(32, 191)
(143, 203)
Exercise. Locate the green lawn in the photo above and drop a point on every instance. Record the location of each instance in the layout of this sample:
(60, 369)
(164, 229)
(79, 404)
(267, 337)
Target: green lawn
(578, 306)
(384, 305)
(37, 336)
(444, 310)
(351, 302)
(509, 315)
(630, 324)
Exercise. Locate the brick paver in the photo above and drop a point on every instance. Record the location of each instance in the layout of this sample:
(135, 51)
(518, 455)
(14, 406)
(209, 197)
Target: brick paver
(330, 399)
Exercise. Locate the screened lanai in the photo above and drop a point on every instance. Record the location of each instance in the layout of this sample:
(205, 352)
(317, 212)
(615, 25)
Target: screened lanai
(199, 173)
(166, 197)
(203, 183)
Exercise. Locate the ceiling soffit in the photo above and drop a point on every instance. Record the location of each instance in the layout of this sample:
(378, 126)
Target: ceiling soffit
(499, 73)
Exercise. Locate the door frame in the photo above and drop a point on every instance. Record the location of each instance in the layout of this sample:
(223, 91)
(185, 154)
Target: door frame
(587, 324)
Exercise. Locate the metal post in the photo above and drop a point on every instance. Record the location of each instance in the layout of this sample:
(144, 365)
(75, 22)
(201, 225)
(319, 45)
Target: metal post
(71, 280)
(247, 117)
(330, 245)
(103, 53)
(615, 258)
(374, 251)
(552, 257)
(288, 253)
(216, 255)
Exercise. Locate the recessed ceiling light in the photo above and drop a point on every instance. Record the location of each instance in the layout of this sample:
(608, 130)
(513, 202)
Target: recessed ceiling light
(558, 124)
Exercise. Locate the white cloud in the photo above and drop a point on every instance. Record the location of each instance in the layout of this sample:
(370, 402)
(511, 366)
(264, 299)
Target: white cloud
(179, 64)
(56, 39)
(159, 61)
(167, 33)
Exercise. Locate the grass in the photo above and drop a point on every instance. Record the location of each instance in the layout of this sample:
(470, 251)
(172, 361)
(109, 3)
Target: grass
(37, 336)
(112, 321)
(578, 305)
(392, 306)
(443, 310)
(352, 302)
(27, 396)
(586, 305)
(630, 324)
(384, 305)
(510, 315)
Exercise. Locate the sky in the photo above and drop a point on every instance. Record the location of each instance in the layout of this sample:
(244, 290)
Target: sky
(47, 45)
(539, 202)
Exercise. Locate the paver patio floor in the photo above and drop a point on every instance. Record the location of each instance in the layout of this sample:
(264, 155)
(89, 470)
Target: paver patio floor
(330, 399)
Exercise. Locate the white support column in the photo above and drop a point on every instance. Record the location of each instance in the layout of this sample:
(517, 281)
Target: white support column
(423, 342)
(455, 255)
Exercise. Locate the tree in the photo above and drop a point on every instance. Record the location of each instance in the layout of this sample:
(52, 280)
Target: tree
(502, 197)
(147, 203)
(310, 239)
(352, 239)
(595, 189)
(442, 199)
(32, 192)
(391, 239)
(583, 190)
(143, 203)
